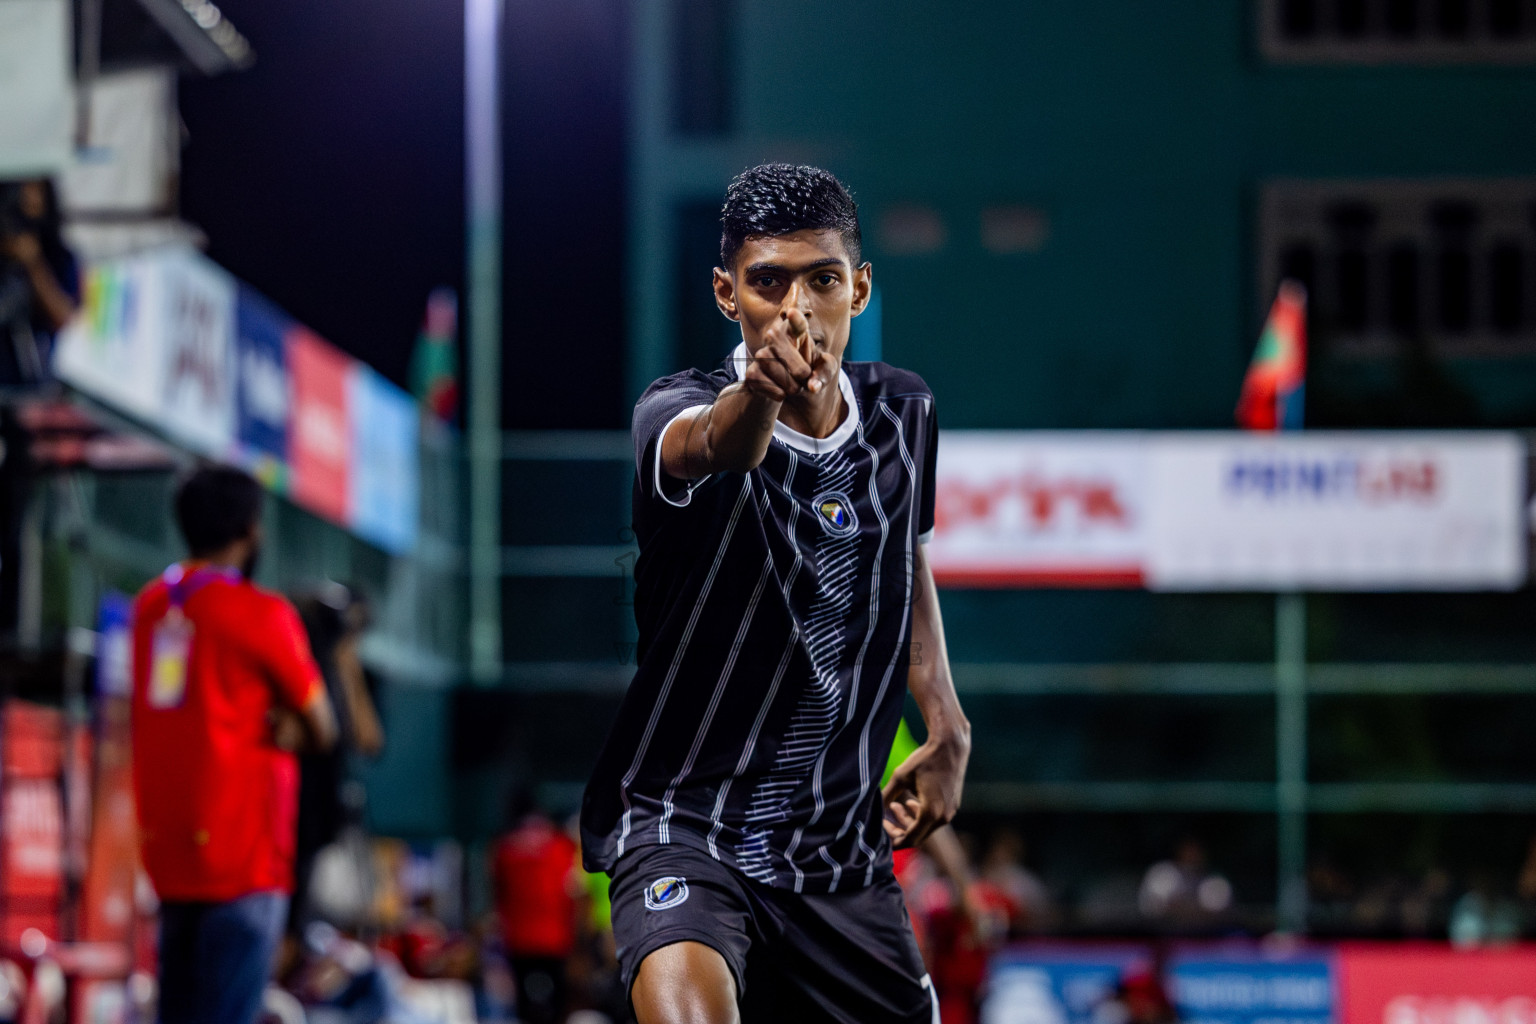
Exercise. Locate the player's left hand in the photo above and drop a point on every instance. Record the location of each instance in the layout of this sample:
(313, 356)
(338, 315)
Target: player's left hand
(924, 792)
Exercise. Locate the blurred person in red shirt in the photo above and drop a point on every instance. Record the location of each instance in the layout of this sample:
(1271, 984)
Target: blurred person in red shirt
(1019, 889)
(536, 899)
(224, 688)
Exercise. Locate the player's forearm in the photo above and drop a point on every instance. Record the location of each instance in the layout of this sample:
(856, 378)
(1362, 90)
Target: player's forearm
(943, 845)
(928, 677)
(731, 436)
(51, 297)
(934, 693)
(319, 716)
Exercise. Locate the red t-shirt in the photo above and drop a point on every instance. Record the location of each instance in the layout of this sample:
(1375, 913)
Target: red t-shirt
(533, 890)
(217, 801)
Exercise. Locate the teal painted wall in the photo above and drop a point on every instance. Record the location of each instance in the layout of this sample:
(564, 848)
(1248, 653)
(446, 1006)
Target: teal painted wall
(1142, 132)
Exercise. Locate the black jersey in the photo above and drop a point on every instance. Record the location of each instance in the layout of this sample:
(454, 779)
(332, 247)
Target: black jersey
(774, 614)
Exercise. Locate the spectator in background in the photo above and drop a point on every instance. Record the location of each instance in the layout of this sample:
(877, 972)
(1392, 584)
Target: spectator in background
(596, 985)
(1139, 998)
(39, 288)
(216, 663)
(1525, 888)
(1184, 893)
(537, 890)
(1484, 916)
(1028, 900)
(334, 618)
(39, 279)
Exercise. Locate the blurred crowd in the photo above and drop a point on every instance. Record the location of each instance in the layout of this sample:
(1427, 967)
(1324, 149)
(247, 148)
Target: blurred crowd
(545, 954)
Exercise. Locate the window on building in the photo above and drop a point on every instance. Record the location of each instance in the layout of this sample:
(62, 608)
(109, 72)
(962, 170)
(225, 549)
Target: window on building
(1387, 263)
(1389, 31)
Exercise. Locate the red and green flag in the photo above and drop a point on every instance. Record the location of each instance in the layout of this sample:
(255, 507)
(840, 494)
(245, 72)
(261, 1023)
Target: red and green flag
(435, 362)
(1275, 388)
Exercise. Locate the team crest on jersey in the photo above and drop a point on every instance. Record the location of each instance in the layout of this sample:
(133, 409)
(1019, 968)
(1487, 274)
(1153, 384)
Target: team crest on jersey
(666, 893)
(836, 513)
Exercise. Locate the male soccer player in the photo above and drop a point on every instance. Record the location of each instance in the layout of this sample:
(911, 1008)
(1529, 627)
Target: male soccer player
(784, 608)
(216, 662)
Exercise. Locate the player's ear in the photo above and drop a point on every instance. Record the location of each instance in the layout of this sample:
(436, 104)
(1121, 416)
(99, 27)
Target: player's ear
(863, 287)
(725, 295)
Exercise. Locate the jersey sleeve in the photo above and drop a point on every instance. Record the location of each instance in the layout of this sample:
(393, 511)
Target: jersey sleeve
(925, 514)
(287, 659)
(661, 405)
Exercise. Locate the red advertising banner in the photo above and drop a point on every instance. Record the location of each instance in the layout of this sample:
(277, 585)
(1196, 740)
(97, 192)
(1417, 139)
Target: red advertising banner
(320, 433)
(1413, 984)
(31, 821)
(107, 903)
(1015, 509)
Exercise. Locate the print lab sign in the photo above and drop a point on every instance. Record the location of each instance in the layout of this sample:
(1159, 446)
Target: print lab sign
(1338, 511)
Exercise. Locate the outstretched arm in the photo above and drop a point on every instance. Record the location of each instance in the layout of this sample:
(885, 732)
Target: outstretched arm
(732, 435)
(924, 792)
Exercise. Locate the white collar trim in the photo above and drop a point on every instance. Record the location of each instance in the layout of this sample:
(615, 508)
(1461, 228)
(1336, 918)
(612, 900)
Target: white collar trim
(737, 361)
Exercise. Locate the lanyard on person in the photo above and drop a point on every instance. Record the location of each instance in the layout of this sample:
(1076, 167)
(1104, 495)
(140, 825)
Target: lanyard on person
(173, 633)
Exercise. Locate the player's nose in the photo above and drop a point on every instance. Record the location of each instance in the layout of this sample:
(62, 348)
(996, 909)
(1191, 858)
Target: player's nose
(798, 297)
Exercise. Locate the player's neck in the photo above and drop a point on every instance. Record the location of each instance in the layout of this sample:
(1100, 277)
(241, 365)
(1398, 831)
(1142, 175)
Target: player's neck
(817, 415)
(232, 557)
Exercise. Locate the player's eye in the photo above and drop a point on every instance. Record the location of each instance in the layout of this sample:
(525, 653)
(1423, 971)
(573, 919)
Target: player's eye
(827, 280)
(766, 282)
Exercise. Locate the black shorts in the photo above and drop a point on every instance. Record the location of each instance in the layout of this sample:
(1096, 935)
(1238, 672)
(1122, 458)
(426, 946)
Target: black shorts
(847, 957)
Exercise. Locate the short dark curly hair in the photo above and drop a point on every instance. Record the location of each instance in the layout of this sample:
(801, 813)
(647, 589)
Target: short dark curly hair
(216, 506)
(777, 199)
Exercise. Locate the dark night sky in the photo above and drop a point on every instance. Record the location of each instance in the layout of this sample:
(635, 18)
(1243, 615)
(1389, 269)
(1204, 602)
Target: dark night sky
(330, 177)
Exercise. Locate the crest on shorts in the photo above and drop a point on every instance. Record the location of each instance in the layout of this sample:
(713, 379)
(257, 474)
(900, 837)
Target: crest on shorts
(836, 513)
(666, 893)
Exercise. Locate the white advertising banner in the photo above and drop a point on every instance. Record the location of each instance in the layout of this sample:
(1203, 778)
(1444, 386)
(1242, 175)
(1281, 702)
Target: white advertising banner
(198, 390)
(1017, 509)
(1337, 511)
(112, 350)
(1231, 511)
(156, 340)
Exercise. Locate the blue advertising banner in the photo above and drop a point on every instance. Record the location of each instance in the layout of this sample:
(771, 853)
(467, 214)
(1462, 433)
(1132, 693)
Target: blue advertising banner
(262, 396)
(1057, 985)
(114, 645)
(383, 482)
(1247, 987)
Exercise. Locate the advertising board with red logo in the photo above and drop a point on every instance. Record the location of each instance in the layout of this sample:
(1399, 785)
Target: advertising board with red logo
(1015, 509)
(320, 432)
(31, 820)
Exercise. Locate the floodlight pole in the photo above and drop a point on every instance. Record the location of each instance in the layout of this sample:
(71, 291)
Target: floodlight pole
(482, 169)
(1291, 761)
